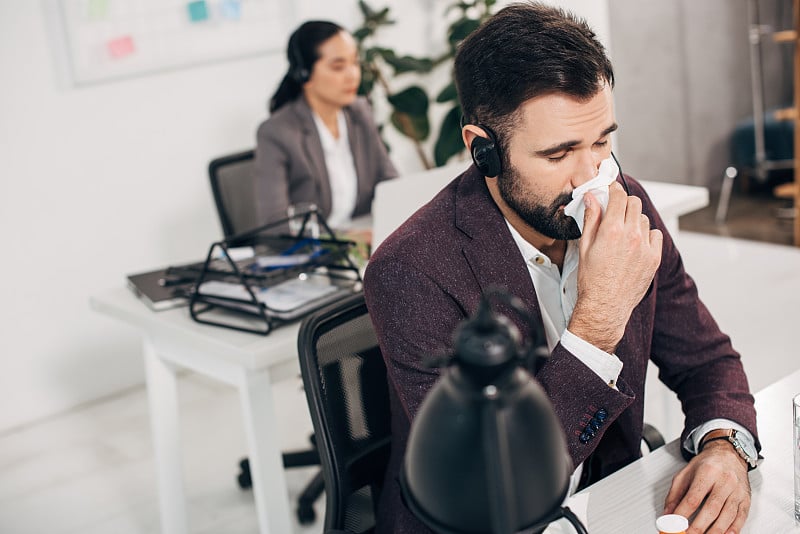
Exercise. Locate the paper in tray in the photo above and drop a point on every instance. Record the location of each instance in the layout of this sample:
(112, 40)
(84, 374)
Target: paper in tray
(283, 297)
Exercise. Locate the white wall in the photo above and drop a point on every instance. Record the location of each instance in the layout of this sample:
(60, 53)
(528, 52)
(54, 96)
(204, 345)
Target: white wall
(109, 179)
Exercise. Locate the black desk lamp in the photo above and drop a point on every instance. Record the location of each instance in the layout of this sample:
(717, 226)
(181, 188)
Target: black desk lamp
(486, 452)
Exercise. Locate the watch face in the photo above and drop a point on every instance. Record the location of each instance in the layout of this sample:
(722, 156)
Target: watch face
(745, 449)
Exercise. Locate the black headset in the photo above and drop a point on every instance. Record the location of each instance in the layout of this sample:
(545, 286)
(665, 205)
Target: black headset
(299, 73)
(486, 155)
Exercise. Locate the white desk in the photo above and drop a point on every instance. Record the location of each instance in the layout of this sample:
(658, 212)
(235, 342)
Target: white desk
(632, 498)
(249, 362)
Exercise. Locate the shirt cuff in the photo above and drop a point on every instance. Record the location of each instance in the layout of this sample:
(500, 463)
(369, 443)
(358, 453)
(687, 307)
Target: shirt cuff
(692, 441)
(606, 366)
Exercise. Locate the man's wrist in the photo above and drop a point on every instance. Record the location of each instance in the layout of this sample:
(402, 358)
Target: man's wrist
(722, 444)
(598, 334)
(739, 442)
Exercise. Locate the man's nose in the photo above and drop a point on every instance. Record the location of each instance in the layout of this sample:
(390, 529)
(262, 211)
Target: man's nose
(587, 167)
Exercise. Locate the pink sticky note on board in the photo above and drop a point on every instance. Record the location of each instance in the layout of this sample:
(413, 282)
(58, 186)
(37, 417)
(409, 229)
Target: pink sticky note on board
(121, 47)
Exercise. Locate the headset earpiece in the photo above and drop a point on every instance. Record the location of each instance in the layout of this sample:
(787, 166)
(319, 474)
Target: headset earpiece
(485, 154)
(299, 73)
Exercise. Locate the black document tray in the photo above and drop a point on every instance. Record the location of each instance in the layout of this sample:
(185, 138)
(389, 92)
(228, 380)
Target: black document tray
(288, 277)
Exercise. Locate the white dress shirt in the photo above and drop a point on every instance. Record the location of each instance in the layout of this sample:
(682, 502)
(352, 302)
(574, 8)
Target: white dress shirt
(557, 293)
(341, 171)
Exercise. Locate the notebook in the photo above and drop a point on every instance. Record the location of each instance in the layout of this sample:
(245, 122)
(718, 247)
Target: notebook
(150, 289)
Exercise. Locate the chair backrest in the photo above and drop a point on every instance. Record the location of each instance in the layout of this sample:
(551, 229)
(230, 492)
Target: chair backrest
(232, 184)
(347, 390)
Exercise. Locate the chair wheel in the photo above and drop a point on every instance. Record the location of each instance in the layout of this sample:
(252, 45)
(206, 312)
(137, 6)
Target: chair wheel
(244, 479)
(306, 514)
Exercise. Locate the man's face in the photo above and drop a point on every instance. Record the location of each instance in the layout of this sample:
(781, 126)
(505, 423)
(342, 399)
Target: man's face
(558, 145)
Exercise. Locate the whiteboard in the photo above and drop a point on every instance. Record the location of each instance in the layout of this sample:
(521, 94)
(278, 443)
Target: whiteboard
(110, 39)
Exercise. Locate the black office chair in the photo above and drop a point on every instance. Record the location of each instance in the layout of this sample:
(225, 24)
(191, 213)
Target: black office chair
(344, 377)
(348, 396)
(232, 185)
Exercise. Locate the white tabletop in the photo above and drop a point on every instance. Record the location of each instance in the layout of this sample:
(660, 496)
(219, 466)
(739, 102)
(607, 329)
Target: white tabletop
(253, 351)
(632, 498)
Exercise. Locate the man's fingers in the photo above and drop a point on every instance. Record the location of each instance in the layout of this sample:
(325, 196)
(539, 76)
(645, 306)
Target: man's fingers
(656, 242)
(591, 217)
(617, 202)
(718, 509)
(698, 489)
(731, 517)
(633, 210)
(741, 515)
(680, 483)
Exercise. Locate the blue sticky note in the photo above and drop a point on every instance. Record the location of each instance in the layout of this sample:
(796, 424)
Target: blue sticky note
(231, 9)
(198, 11)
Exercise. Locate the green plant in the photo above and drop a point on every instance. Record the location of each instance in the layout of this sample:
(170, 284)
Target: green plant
(411, 105)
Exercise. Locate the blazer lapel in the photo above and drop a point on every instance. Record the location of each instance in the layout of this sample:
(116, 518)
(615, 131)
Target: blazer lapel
(312, 147)
(491, 252)
(355, 136)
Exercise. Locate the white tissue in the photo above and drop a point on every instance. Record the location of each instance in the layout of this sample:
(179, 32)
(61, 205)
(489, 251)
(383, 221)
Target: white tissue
(599, 188)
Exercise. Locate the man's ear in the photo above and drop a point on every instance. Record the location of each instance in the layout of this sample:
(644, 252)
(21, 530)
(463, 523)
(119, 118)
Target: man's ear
(470, 132)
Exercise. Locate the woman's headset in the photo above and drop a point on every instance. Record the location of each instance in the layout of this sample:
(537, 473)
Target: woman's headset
(299, 73)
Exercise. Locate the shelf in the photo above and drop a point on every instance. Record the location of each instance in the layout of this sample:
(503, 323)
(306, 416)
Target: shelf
(785, 36)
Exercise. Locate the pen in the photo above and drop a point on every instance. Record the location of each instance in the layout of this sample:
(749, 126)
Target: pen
(174, 280)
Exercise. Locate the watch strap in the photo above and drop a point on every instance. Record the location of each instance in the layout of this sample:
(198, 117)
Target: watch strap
(714, 435)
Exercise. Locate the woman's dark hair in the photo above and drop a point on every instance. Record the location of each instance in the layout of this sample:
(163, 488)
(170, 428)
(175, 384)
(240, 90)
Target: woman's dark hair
(302, 52)
(523, 51)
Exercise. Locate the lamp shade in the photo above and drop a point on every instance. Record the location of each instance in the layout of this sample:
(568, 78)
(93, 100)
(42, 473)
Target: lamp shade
(486, 452)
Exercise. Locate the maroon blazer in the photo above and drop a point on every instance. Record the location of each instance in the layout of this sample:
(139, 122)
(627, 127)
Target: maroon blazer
(428, 276)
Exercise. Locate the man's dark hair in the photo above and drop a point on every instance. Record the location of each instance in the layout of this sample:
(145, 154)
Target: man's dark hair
(523, 51)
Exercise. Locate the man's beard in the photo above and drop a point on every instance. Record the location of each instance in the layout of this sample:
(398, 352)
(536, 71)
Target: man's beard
(547, 220)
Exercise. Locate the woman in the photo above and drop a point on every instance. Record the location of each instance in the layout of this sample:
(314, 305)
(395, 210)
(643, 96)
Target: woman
(320, 144)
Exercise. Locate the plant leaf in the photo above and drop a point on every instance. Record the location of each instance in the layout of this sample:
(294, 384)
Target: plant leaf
(413, 126)
(367, 11)
(460, 29)
(409, 64)
(449, 142)
(448, 94)
(362, 33)
(412, 100)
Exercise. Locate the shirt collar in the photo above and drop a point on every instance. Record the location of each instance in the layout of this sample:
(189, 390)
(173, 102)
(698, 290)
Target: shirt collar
(534, 256)
(326, 138)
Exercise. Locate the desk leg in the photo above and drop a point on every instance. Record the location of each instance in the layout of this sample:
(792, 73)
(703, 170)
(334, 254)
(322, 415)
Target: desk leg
(266, 461)
(162, 395)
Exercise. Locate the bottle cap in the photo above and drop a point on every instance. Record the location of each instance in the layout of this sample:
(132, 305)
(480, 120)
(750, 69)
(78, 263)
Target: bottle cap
(672, 524)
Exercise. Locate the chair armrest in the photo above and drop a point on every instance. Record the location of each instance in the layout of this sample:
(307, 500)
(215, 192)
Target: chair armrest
(652, 437)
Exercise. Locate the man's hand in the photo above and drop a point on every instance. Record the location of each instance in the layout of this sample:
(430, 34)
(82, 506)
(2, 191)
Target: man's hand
(718, 475)
(619, 255)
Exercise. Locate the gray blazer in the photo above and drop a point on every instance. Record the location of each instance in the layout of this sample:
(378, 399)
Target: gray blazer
(290, 164)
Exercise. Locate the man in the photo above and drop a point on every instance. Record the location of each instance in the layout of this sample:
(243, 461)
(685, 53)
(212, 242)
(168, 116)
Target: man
(535, 90)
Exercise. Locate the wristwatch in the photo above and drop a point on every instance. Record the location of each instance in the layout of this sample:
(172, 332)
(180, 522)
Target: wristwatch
(743, 445)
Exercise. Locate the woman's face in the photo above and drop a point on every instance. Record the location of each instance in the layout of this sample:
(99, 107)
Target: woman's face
(336, 75)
